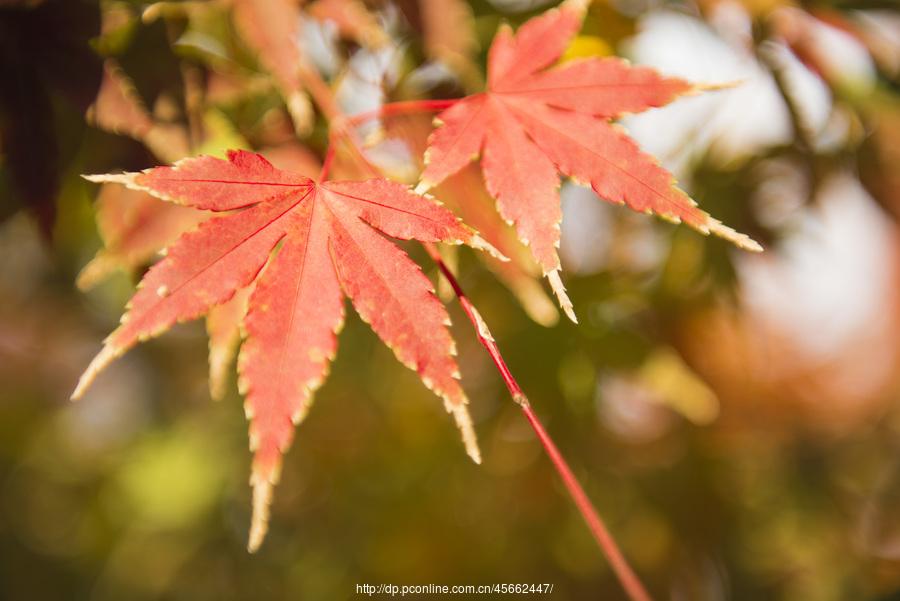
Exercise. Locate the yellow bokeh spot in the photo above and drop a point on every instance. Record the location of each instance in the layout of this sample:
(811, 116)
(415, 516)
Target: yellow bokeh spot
(676, 385)
(585, 46)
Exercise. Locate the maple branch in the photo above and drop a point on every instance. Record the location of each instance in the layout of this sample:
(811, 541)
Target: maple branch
(402, 107)
(321, 94)
(628, 579)
(327, 161)
(481, 329)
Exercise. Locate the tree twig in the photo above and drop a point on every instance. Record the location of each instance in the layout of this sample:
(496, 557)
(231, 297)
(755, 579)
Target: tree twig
(629, 580)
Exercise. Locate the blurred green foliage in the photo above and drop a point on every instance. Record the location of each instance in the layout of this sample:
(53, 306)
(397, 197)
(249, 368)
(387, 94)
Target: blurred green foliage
(719, 484)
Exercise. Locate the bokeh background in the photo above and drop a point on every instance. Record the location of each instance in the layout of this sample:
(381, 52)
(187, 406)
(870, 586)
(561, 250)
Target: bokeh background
(735, 418)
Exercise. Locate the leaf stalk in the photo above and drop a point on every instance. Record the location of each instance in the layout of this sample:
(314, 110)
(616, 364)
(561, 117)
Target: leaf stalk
(627, 577)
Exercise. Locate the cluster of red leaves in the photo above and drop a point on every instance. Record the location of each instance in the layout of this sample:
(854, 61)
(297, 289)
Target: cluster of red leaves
(284, 250)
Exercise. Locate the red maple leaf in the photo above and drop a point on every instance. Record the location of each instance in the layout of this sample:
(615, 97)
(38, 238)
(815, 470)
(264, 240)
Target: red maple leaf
(325, 246)
(534, 122)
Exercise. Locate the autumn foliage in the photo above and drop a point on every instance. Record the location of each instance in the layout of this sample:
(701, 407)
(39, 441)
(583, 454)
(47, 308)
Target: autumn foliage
(301, 195)
(302, 245)
(296, 307)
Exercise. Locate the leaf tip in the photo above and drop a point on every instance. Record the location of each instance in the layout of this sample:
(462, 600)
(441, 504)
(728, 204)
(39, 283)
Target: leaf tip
(752, 246)
(740, 240)
(95, 271)
(301, 113)
(114, 178)
(103, 358)
(219, 362)
(152, 13)
(467, 430)
(715, 87)
(262, 501)
(560, 291)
